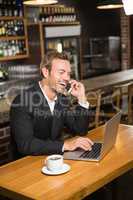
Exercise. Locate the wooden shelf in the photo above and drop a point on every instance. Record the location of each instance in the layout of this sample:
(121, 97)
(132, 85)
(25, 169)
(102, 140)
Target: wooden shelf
(47, 5)
(54, 24)
(13, 57)
(61, 23)
(10, 18)
(12, 37)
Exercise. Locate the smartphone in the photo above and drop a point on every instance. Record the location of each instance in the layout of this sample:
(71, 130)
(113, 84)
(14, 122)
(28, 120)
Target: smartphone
(68, 89)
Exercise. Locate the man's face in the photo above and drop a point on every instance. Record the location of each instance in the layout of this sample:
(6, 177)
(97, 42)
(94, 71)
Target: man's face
(59, 76)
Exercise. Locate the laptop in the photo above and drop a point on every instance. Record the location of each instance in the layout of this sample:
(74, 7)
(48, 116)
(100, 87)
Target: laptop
(99, 149)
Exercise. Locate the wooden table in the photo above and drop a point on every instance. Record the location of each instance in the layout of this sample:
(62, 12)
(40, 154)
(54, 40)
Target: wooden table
(23, 179)
(104, 81)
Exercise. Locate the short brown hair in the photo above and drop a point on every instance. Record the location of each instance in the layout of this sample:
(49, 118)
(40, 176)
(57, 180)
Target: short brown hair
(50, 56)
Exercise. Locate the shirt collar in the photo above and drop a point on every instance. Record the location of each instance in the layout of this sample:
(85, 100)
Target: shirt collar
(44, 93)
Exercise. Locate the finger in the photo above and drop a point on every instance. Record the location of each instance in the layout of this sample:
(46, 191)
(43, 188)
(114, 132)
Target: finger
(90, 141)
(82, 146)
(72, 81)
(87, 140)
(74, 85)
(85, 144)
(84, 141)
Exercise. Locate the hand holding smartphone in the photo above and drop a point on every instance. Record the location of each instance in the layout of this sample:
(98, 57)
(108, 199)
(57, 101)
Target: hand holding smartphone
(68, 89)
(76, 89)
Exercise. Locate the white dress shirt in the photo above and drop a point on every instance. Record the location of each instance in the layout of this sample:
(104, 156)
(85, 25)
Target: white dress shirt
(51, 103)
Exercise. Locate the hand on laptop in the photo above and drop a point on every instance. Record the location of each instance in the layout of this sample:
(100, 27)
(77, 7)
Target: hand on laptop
(78, 142)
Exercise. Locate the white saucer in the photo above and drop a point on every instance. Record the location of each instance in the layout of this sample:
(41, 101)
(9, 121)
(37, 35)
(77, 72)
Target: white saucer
(64, 169)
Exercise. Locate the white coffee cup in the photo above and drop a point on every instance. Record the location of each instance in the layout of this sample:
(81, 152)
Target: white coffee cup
(54, 162)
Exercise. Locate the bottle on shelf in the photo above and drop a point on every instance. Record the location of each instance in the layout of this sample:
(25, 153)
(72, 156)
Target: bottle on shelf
(57, 14)
(11, 28)
(12, 48)
(1, 51)
(11, 8)
(3, 73)
(2, 28)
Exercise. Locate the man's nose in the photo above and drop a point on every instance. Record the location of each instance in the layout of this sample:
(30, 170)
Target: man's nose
(67, 77)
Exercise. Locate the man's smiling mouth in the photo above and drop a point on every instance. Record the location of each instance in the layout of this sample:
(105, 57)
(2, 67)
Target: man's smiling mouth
(63, 84)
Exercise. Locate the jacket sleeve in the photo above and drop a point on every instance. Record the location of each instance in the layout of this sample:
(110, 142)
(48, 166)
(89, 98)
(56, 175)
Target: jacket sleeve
(77, 120)
(23, 134)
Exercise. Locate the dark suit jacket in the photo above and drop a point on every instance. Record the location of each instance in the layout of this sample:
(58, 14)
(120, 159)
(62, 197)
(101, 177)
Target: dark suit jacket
(35, 130)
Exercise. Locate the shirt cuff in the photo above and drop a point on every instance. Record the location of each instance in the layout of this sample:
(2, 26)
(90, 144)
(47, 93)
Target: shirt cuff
(63, 148)
(84, 105)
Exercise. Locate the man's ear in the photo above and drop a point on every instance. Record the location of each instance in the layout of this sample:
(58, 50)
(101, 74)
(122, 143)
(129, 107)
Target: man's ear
(45, 72)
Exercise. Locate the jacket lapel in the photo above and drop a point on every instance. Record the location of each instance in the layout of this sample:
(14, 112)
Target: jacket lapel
(60, 106)
(57, 124)
(40, 99)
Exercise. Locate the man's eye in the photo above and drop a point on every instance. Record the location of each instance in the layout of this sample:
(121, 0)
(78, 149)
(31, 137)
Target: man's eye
(61, 72)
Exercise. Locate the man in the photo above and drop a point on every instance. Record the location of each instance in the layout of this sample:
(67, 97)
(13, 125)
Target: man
(39, 114)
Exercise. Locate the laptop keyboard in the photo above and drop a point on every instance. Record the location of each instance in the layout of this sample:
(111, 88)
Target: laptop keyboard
(94, 153)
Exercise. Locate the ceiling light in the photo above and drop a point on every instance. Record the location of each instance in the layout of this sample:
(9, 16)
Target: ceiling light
(40, 2)
(109, 4)
(128, 6)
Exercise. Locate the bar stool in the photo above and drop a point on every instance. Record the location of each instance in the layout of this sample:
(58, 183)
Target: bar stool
(94, 99)
(130, 106)
(99, 101)
(125, 90)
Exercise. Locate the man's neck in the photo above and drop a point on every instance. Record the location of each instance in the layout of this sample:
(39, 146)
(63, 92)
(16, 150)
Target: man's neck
(48, 91)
